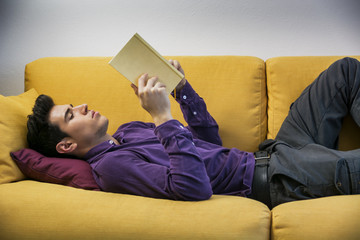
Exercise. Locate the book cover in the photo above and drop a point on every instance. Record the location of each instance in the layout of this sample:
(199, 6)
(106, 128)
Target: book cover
(138, 57)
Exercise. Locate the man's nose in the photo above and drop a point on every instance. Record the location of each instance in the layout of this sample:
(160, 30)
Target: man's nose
(83, 108)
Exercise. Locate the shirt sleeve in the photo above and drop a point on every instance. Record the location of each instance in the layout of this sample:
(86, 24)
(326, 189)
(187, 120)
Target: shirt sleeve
(201, 124)
(184, 179)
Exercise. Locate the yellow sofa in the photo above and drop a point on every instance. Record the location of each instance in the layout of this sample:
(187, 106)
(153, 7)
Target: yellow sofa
(247, 96)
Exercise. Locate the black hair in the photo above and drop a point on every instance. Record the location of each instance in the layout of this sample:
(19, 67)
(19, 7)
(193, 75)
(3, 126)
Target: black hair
(43, 136)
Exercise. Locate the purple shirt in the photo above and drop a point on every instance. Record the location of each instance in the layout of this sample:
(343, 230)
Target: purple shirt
(172, 161)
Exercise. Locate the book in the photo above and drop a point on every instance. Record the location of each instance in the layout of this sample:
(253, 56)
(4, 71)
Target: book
(138, 57)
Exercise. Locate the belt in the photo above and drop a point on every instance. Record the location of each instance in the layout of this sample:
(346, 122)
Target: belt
(261, 186)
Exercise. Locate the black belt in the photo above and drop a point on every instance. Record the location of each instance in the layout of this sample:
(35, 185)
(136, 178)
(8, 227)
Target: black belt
(261, 186)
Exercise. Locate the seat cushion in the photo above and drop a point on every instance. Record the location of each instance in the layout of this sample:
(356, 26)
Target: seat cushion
(34, 210)
(335, 217)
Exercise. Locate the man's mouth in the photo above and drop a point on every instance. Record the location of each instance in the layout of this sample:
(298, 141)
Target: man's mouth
(94, 114)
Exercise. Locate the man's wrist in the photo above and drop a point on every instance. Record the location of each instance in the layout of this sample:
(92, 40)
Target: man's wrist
(181, 85)
(160, 119)
(178, 92)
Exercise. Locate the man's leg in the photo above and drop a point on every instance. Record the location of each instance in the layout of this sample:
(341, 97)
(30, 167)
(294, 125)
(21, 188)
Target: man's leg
(316, 116)
(309, 167)
(312, 171)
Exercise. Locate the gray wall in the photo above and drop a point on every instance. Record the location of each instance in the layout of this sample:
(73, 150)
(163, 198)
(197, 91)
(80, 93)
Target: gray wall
(31, 29)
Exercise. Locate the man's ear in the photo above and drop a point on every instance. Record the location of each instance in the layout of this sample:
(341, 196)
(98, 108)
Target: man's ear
(67, 146)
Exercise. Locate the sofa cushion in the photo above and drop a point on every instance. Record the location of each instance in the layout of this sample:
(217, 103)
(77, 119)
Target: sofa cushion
(71, 172)
(35, 210)
(334, 217)
(287, 77)
(232, 86)
(14, 111)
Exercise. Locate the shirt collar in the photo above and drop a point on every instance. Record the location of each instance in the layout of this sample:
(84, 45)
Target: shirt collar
(98, 149)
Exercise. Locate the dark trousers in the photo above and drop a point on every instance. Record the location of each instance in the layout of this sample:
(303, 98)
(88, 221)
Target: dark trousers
(304, 161)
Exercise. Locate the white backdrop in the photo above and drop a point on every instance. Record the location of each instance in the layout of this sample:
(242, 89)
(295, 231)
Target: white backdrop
(31, 29)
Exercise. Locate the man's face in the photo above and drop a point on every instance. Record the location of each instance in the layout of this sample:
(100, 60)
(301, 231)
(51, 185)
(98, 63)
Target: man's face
(83, 125)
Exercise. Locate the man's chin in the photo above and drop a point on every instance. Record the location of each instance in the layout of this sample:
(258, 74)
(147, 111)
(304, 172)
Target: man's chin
(104, 128)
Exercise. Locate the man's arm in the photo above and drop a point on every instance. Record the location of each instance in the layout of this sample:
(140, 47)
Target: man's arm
(200, 122)
(202, 125)
(186, 178)
(153, 98)
(129, 171)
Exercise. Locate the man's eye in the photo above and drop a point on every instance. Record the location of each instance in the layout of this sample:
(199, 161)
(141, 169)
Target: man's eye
(71, 116)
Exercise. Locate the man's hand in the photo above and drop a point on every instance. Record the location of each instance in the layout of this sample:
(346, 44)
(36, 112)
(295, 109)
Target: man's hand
(177, 65)
(153, 98)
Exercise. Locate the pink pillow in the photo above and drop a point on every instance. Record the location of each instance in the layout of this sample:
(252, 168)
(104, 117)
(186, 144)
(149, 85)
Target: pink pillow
(70, 172)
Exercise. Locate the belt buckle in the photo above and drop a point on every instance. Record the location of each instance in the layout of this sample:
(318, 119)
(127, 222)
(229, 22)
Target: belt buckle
(262, 158)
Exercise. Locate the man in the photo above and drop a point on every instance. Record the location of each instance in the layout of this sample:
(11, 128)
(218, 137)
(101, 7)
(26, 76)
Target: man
(164, 159)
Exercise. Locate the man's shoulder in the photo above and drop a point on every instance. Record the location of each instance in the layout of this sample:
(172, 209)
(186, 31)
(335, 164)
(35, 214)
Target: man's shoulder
(114, 159)
(135, 129)
(135, 124)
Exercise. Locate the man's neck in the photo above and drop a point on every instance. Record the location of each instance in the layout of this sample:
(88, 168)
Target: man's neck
(82, 152)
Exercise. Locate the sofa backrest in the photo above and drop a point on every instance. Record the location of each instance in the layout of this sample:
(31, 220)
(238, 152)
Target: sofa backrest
(248, 105)
(286, 78)
(233, 87)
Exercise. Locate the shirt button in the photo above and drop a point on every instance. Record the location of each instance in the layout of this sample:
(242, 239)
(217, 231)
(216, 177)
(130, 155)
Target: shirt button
(194, 113)
(111, 141)
(181, 127)
(339, 184)
(184, 97)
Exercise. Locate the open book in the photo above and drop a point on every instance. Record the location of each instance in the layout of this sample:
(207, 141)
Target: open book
(138, 57)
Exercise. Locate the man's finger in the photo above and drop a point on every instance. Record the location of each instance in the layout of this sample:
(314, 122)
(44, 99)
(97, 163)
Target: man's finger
(135, 88)
(176, 64)
(151, 82)
(142, 81)
(160, 85)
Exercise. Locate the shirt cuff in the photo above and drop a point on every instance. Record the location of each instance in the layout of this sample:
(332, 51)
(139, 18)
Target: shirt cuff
(169, 129)
(186, 95)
